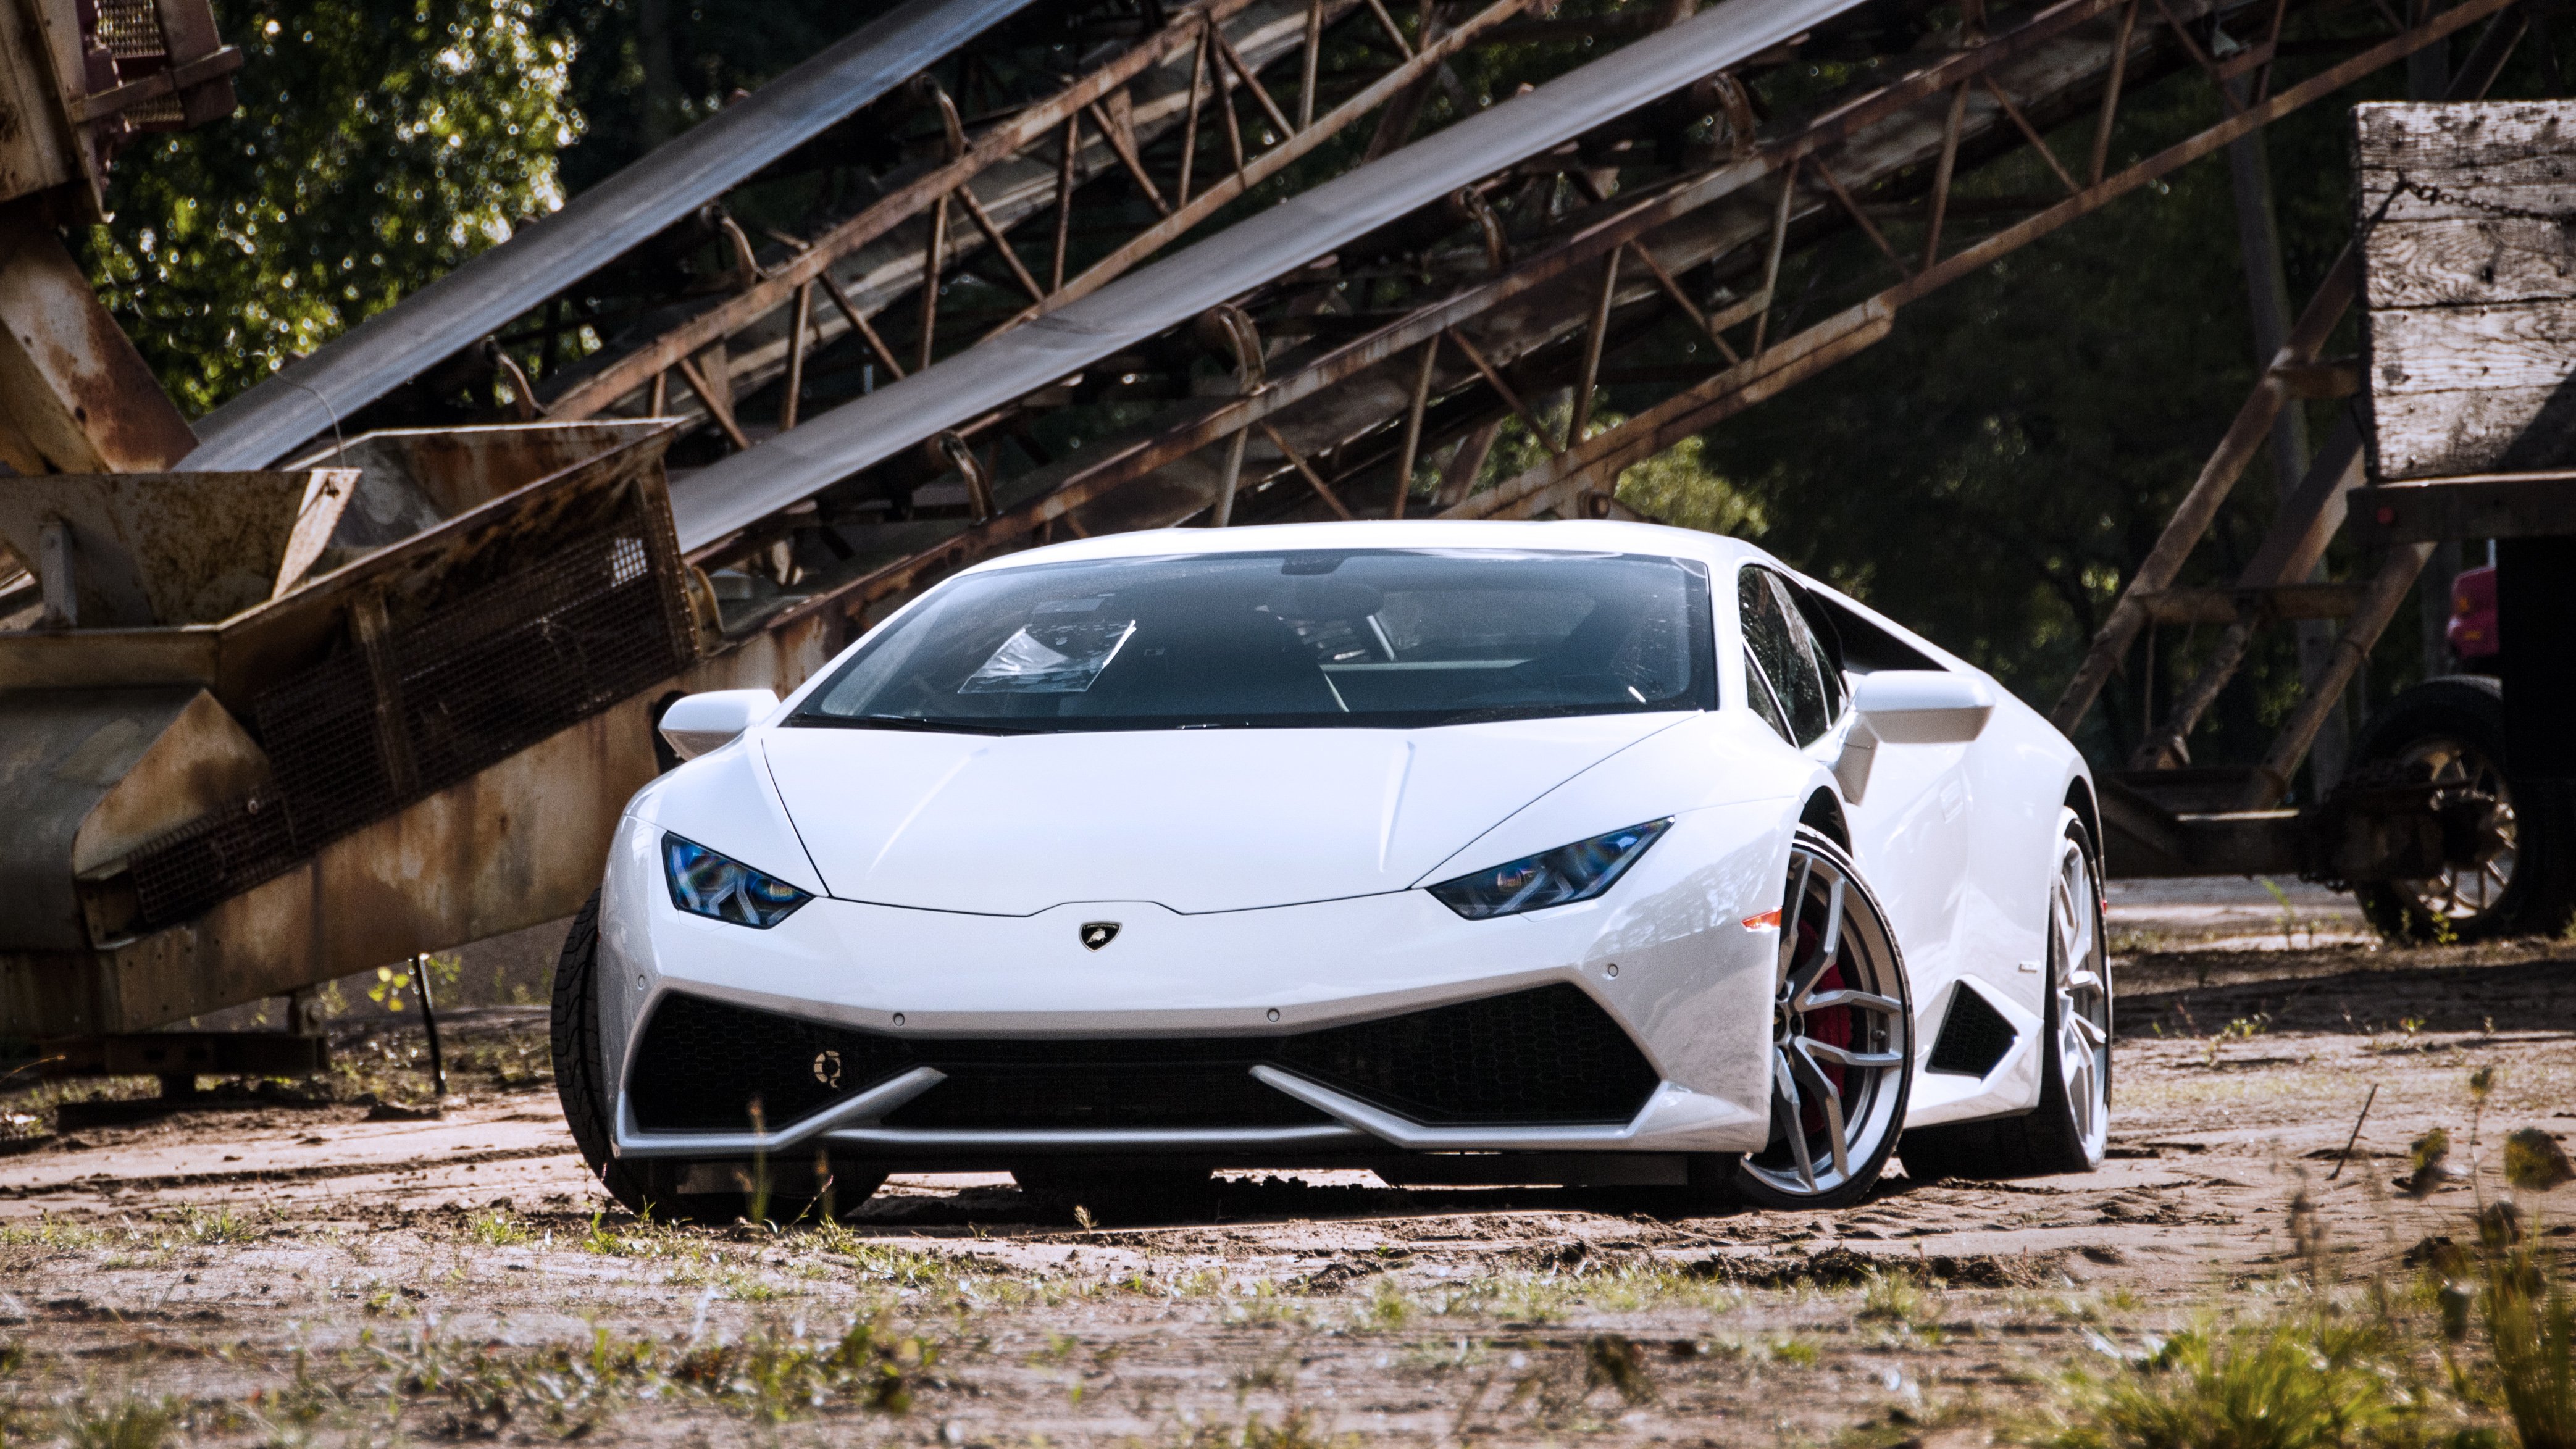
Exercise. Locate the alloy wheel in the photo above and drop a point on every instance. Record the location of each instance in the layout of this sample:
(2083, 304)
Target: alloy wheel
(1841, 1036)
(2083, 997)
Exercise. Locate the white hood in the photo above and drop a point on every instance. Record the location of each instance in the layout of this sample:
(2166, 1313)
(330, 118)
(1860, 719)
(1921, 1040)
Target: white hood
(1194, 820)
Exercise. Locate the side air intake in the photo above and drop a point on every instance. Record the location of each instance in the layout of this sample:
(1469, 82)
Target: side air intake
(1974, 1036)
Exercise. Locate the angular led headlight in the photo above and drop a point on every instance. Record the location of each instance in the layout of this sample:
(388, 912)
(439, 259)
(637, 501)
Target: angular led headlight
(1558, 877)
(707, 884)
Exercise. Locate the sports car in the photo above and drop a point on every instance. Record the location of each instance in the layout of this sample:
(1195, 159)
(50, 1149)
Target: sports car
(1579, 852)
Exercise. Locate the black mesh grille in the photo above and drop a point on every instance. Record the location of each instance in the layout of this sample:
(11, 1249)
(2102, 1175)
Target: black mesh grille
(703, 1064)
(1119, 1083)
(1551, 1055)
(473, 683)
(1974, 1036)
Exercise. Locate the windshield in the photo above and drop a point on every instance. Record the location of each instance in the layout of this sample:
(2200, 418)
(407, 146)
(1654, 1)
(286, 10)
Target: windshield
(1387, 638)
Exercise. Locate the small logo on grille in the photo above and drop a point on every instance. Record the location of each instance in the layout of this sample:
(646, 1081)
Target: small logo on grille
(1096, 934)
(827, 1068)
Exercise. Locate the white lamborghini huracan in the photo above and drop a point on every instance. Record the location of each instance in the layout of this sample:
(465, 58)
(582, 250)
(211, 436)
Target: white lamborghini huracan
(1464, 852)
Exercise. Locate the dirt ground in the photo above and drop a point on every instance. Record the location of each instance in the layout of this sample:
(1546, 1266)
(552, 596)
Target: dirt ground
(337, 1271)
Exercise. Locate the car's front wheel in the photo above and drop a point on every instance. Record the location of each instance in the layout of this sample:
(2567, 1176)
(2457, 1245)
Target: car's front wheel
(1842, 1040)
(695, 1191)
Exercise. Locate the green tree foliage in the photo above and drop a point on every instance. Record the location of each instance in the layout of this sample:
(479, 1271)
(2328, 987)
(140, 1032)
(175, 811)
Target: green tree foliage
(377, 146)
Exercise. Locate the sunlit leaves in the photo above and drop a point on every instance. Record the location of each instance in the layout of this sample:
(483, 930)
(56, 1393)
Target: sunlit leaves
(376, 147)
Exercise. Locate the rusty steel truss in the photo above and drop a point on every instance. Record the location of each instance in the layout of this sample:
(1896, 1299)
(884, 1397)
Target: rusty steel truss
(1334, 408)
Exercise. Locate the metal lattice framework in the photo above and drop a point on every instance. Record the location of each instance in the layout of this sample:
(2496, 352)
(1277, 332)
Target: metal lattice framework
(1347, 378)
(1020, 211)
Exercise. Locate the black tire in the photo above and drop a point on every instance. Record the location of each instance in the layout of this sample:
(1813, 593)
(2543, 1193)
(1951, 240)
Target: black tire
(656, 1187)
(1120, 1192)
(2459, 720)
(580, 1072)
(2054, 1137)
(1787, 1175)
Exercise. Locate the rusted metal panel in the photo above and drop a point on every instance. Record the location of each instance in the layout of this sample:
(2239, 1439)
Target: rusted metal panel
(255, 648)
(36, 152)
(518, 844)
(75, 397)
(91, 774)
(176, 548)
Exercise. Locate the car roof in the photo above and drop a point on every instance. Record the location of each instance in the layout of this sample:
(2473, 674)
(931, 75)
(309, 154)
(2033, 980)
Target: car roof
(1580, 535)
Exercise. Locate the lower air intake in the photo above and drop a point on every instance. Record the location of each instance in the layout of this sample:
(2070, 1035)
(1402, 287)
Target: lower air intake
(710, 1066)
(1545, 1057)
(1549, 1056)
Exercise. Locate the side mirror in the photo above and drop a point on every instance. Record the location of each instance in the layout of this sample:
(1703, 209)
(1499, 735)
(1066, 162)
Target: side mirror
(1908, 707)
(1923, 706)
(698, 723)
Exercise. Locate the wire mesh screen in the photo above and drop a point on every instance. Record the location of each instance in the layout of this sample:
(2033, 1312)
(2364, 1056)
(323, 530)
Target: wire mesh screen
(518, 661)
(201, 862)
(328, 755)
(472, 683)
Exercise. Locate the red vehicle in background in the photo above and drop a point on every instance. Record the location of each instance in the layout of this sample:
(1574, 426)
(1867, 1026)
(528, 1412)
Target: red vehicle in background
(2472, 632)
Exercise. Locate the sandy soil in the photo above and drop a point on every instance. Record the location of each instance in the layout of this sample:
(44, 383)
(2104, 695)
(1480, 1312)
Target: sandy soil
(285, 1273)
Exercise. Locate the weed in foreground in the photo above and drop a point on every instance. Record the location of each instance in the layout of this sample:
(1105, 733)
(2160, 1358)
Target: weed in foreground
(125, 1424)
(2305, 1382)
(498, 1229)
(2530, 1372)
(776, 1376)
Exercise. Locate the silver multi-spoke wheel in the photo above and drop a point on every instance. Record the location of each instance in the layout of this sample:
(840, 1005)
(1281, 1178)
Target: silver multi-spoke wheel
(1842, 1039)
(2083, 1005)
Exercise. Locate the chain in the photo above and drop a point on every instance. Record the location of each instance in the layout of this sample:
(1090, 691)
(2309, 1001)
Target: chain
(2438, 196)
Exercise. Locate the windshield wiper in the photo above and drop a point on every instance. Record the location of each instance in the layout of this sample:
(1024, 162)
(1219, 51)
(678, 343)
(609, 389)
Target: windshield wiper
(907, 722)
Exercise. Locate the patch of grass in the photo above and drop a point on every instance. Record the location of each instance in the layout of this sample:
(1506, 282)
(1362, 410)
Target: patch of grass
(568, 1390)
(1387, 1305)
(777, 1376)
(498, 1229)
(1899, 1302)
(210, 1227)
(53, 1233)
(134, 1423)
(2312, 1378)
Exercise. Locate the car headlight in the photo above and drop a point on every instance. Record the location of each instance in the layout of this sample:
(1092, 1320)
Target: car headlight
(1558, 877)
(707, 884)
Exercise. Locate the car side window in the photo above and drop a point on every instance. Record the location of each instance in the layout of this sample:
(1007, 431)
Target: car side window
(1758, 693)
(1824, 644)
(1784, 650)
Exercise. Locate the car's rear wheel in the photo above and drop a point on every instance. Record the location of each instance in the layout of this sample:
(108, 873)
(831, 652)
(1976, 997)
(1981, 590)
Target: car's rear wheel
(2071, 1127)
(1842, 1040)
(693, 1191)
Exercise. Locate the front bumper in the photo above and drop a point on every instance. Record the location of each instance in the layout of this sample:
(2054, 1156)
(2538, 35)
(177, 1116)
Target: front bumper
(1209, 1036)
